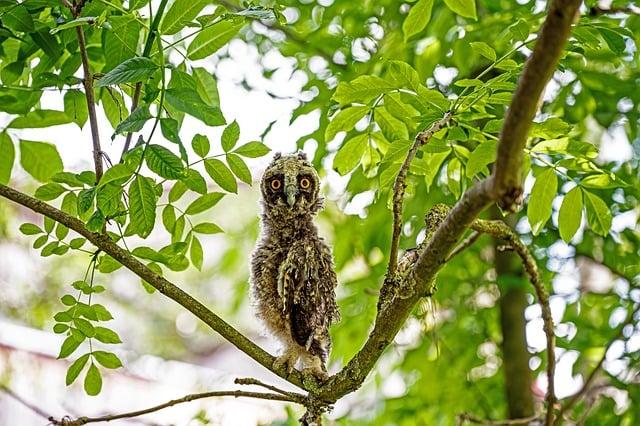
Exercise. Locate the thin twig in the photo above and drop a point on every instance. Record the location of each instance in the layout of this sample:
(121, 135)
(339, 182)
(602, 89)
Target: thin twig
(18, 398)
(464, 245)
(187, 398)
(256, 382)
(400, 185)
(499, 229)
(587, 383)
(465, 417)
(91, 105)
(145, 53)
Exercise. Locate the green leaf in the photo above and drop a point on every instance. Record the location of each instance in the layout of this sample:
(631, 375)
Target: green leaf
(164, 162)
(40, 118)
(239, 168)
(117, 174)
(85, 200)
(69, 345)
(541, 200)
(519, 30)
(208, 41)
(132, 70)
(350, 153)
(195, 182)
(30, 229)
(108, 199)
(392, 128)
(344, 121)
(169, 217)
(200, 145)
(170, 130)
(206, 86)
(466, 8)
(120, 43)
(483, 155)
(405, 76)
(101, 312)
(180, 14)
(18, 18)
(84, 326)
(417, 19)
(221, 174)
(134, 122)
(362, 89)
(107, 359)
(113, 106)
(49, 191)
(108, 264)
(598, 214)
(196, 253)
(75, 106)
(60, 328)
(252, 150)
(484, 49)
(61, 231)
(96, 222)
(142, 206)
(602, 181)
(106, 335)
(204, 203)
(78, 22)
(68, 300)
(177, 191)
(230, 136)
(207, 228)
(188, 101)
(40, 159)
(7, 157)
(93, 381)
(74, 369)
(40, 241)
(570, 215)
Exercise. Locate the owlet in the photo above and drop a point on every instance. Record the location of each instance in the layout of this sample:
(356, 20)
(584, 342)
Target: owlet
(292, 276)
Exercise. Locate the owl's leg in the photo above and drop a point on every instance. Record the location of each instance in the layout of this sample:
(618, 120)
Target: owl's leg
(288, 359)
(312, 365)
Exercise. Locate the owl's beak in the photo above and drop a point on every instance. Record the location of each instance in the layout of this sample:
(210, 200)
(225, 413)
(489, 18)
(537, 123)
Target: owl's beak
(291, 192)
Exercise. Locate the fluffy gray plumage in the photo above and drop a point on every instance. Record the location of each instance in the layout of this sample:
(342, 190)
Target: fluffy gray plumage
(292, 276)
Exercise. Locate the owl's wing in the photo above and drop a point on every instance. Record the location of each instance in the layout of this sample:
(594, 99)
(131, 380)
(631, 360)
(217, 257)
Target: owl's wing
(308, 286)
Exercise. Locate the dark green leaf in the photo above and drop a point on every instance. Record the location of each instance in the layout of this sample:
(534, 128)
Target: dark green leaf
(188, 101)
(107, 359)
(135, 121)
(142, 206)
(164, 162)
(208, 41)
(74, 369)
(69, 345)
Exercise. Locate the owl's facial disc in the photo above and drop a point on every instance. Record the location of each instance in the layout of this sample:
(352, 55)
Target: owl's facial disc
(290, 185)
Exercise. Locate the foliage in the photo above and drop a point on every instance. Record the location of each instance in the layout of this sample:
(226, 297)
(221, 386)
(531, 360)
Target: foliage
(378, 73)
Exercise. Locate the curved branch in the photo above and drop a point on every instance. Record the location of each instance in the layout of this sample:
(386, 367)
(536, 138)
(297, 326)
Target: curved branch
(400, 185)
(537, 71)
(104, 243)
(500, 230)
(503, 186)
(65, 421)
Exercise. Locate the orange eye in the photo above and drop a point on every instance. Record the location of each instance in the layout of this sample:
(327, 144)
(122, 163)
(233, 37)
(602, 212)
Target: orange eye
(305, 183)
(276, 184)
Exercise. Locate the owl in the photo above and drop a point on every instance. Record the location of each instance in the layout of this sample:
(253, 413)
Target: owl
(292, 277)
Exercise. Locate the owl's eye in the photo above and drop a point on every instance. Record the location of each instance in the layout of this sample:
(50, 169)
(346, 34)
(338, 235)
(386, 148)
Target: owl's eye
(276, 184)
(305, 183)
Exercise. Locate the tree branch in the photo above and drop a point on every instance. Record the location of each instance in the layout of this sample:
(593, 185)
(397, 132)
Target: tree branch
(630, 10)
(504, 186)
(468, 242)
(91, 104)
(65, 421)
(400, 185)
(104, 243)
(538, 69)
(587, 383)
(499, 229)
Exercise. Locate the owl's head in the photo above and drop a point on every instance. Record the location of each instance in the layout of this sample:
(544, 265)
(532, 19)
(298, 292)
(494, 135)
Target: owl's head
(290, 187)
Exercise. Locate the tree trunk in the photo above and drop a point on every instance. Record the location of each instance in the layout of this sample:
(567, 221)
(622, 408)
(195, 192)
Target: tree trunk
(513, 302)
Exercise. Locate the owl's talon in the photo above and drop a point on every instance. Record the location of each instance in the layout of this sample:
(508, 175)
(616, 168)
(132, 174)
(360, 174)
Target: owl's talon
(315, 373)
(286, 362)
